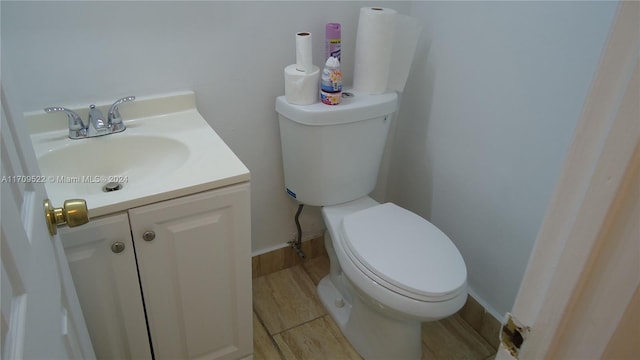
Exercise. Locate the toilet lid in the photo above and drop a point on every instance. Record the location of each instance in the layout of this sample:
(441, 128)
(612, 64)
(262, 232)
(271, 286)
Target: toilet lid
(405, 252)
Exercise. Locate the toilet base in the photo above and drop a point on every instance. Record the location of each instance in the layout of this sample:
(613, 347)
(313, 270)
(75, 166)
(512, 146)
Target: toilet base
(373, 334)
(332, 299)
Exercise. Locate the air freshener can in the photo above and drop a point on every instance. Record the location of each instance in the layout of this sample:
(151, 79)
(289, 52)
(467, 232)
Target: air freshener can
(333, 41)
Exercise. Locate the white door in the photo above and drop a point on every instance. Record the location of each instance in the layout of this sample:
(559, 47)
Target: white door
(585, 266)
(41, 316)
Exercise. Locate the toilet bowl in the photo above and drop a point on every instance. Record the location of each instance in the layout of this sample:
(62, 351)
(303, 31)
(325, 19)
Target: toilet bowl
(391, 270)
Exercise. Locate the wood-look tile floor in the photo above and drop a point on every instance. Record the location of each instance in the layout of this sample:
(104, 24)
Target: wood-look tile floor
(289, 322)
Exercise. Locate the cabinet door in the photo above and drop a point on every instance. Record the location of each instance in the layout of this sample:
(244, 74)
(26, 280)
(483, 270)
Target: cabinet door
(108, 287)
(195, 272)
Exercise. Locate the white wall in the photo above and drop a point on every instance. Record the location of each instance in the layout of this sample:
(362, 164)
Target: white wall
(488, 115)
(232, 54)
(486, 119)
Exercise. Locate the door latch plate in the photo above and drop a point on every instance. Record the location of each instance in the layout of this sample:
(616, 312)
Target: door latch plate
(513, 334)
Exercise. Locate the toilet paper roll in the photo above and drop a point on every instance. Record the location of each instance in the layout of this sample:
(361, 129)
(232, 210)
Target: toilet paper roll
(304, 53)
(301, 88)
(374, 43)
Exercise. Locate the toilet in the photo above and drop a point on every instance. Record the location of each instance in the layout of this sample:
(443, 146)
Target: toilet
(391, 269)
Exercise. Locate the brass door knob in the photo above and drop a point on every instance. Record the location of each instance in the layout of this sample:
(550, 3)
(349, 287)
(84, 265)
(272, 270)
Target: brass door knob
(74, 212)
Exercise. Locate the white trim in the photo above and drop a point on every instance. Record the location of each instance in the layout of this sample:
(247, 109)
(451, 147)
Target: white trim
(269, 249)
(305, 237)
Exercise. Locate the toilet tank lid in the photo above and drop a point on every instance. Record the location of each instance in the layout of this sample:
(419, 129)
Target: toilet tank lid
(354, 107)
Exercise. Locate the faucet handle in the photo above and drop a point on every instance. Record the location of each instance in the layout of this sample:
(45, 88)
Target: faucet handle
(114, 115)
(76, 126)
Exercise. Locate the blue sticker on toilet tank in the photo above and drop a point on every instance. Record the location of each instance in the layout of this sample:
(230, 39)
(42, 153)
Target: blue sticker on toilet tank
(291, 193)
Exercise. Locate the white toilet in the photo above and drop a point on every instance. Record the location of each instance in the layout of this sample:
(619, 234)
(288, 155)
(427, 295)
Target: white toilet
(390, 268)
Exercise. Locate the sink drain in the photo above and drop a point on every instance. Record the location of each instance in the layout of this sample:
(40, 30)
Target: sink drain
(112, 186)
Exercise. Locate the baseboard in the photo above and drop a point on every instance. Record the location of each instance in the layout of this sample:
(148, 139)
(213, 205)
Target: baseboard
(285, 257)
(481, 319)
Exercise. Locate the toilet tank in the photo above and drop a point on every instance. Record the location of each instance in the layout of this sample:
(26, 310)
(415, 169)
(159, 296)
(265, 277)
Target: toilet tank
(332, 154)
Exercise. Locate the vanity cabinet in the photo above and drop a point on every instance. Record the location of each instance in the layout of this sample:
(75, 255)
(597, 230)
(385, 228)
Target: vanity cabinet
(193, 276)
(194, 260)
(107, 286)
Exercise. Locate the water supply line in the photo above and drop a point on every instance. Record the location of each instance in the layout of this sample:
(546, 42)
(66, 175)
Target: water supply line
(297, 244)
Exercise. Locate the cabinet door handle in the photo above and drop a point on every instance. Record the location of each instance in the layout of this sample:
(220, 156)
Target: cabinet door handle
(148, 235)
(117, 247)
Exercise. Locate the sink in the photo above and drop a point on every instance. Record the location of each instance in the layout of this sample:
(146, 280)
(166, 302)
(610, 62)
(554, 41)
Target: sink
(168, 150)
(129, 160)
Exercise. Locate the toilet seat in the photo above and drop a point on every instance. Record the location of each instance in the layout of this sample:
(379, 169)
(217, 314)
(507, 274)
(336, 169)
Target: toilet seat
(404, 253)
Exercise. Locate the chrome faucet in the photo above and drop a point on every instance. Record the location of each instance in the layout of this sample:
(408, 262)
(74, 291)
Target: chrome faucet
(96, 125)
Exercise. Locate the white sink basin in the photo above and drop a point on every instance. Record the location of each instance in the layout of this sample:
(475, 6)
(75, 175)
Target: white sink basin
(168, 150)
(129, 160)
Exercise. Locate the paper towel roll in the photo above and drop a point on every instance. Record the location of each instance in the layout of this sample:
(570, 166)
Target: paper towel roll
(374, 43)
(304, 54)
(404, 48)
(301, 88)
(385, 46)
